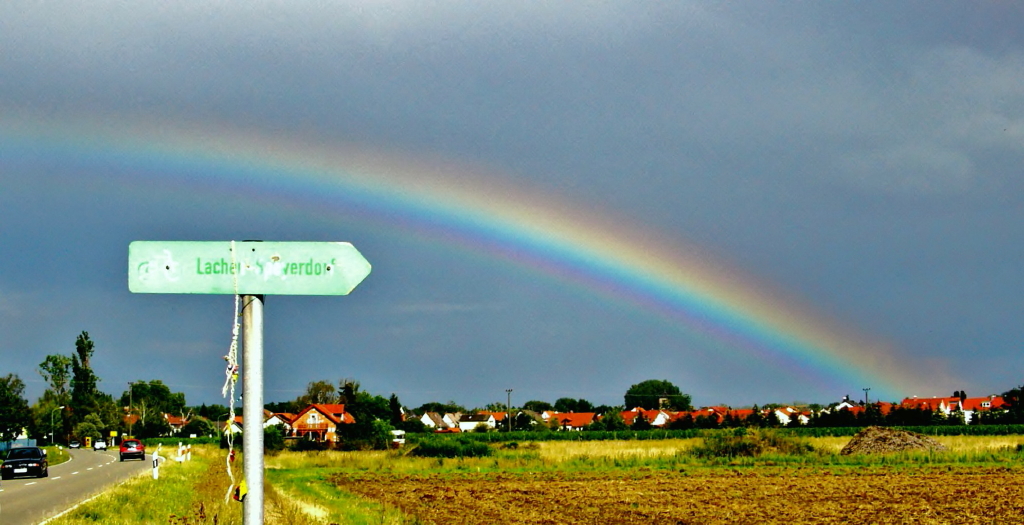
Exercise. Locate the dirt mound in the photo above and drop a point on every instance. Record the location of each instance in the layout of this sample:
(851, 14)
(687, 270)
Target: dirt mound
(879, 440)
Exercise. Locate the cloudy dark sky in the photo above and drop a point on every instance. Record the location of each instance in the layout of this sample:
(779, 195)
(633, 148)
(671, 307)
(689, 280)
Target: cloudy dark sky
(862, 161)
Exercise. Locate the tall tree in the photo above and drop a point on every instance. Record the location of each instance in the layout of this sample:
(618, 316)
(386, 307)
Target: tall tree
(56, 371)
(1014, 400)
(451, 407)
(395, 406)
(568, 404)
(14, 413)
(537, 406)
(611, 421)
(83, 382)
(654, 394)
(149, 399)
(348, 391)
(318, 393)
(372, 413)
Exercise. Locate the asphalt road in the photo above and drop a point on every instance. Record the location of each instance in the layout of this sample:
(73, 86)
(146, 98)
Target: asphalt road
(27, 501)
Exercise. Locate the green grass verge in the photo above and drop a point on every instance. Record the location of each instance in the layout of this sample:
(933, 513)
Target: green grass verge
(315, 500)
(56, 456)
(186, 493)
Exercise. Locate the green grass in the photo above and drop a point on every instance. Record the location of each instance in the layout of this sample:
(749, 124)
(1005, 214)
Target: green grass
(314, 500)
(192, 493)
(56, 456)
(186, 493)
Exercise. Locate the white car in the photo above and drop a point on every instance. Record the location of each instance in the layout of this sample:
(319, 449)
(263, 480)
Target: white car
(99, 444)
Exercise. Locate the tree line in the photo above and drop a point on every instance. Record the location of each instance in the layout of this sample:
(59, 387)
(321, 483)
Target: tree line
(73, 406)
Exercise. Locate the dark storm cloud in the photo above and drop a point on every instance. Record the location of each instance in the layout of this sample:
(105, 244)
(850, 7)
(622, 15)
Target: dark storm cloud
(865, 157)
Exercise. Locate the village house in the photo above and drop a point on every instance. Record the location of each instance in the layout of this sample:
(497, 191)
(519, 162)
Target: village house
(499, 418)
(786, 415)
(233, 426)
(657, 418)
(948, 405)
(175, 422)
(573, 420)
(320, 422)
(281, 419)
(433, 420)
(470, 422)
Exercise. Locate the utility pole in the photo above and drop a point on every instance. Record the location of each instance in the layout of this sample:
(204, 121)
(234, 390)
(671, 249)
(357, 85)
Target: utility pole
(865, 395)
(508, 407)
(130, 384)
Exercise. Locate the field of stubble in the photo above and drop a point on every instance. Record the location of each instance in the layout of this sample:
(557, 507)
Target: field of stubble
(932, 492)
(932, 496)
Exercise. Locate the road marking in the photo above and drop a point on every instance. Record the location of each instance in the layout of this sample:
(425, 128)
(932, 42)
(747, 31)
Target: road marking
(73, 473)
(55, 477)
(32, 483)
(90, 468)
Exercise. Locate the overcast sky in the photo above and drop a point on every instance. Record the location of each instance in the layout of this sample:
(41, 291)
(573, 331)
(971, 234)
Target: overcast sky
(862, 160)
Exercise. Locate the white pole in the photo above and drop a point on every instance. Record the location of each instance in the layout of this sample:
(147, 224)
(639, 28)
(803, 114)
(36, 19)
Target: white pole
(156, 461)
(252, 407)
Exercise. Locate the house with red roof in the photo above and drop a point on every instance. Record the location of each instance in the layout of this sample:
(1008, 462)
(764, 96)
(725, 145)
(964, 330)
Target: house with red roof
(176, 422)
(498, 416)
(320, 422)
(233, 426)
(280, 419)
(657, 418)
(787, 415)
(948, 405)
(573, 420)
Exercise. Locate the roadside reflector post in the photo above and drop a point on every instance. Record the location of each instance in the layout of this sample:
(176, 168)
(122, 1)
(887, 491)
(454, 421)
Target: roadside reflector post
(250, 269)
(156, 462)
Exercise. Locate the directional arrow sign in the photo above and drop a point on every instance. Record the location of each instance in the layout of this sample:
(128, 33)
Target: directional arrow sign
(228, 267)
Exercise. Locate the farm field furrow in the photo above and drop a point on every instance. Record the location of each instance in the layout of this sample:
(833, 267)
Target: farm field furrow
(921, 496)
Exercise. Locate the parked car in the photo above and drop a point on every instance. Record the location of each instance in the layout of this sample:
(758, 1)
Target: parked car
(74, 444)
(133, 448)
(99, 444)
(25, 461)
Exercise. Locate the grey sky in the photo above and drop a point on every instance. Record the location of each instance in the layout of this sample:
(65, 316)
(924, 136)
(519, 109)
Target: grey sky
(863, 158)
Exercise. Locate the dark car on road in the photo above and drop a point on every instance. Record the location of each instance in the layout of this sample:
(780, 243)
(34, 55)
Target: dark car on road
(25, 461)
(132, 448)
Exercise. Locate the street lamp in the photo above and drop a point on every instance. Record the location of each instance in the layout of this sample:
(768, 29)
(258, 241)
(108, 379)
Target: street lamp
(508, 407)
(51, 421)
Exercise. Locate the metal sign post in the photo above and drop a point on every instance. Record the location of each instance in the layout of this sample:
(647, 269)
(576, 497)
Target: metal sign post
(252, 407)
(251, 269)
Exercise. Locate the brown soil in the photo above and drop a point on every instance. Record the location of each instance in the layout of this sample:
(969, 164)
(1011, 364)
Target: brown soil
(879, 440)
(946, 496)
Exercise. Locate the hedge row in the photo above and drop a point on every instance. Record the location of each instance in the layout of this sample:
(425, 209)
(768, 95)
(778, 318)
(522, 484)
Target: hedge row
(603, 435)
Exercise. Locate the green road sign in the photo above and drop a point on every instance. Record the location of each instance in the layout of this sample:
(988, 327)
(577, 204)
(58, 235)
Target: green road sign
(248, 268)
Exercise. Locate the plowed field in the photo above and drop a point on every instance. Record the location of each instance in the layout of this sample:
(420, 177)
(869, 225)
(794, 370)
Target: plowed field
(924, 496)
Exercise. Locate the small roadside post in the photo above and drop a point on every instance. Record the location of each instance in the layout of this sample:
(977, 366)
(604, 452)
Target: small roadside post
(251, 269)
(156, 461)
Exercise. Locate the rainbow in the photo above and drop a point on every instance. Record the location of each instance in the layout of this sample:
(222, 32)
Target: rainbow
(457, 205)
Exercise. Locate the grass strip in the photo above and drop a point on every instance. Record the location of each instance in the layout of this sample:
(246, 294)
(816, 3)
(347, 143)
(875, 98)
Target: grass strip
(187, 493)
(305, 496)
